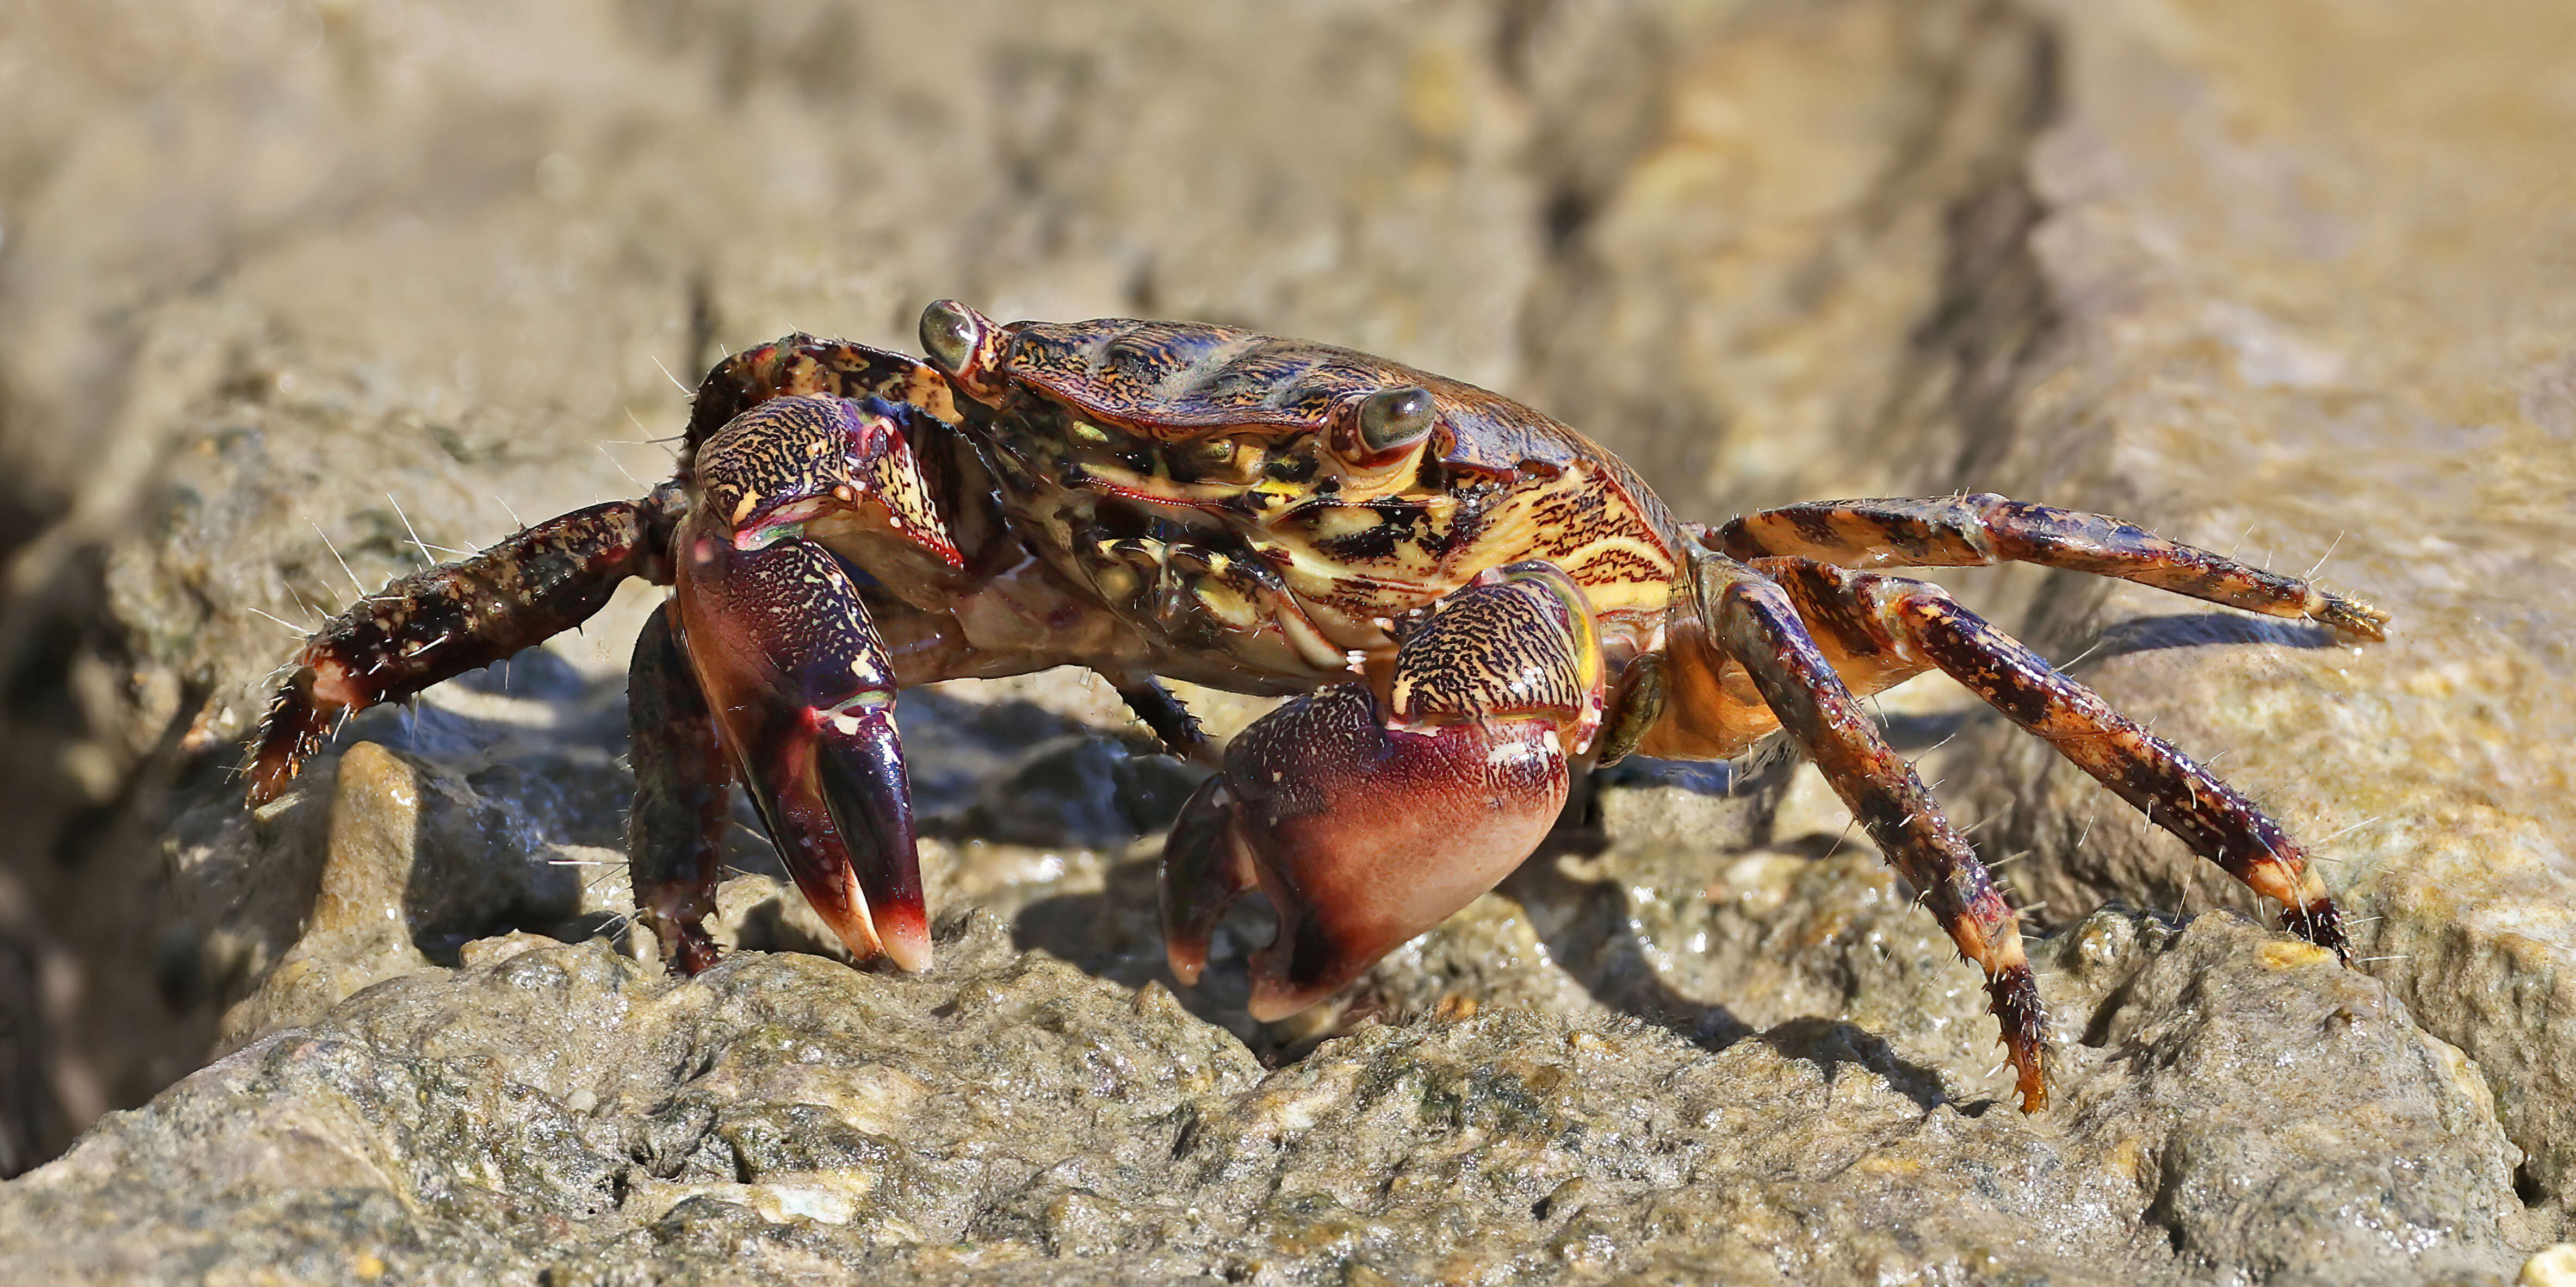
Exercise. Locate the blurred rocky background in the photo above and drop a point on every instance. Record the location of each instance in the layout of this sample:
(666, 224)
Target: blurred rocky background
(289, 292)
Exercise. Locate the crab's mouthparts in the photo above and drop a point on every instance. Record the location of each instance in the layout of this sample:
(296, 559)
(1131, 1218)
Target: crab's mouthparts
(791, 520)
(775, 523)
(797, 460)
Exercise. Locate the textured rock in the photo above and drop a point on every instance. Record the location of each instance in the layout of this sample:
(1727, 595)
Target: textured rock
(292, 291)
(560, 1109)
(2313, 302)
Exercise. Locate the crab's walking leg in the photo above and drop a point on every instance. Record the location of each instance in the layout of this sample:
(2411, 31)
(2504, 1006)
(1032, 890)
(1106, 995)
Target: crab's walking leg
(1368, 816)
(1970, 531)
(1753, 622)
(1172, 723)
(1921, 622)
(803, 697)
(439, 623)
(674, 834)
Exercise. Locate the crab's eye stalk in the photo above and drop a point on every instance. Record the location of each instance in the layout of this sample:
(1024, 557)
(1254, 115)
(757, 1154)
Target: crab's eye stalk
(1394, 419)
(949, 333)
(966, 347)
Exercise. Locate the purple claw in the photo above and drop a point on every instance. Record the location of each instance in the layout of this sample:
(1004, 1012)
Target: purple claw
(1360, 836)
(858, 764)
(800, 688)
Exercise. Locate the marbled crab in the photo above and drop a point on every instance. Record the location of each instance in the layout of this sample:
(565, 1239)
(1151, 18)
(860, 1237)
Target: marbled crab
(1464, 601)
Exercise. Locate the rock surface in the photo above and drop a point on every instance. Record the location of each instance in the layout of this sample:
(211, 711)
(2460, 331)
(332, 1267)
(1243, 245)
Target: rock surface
(293, 291)
(563, 1114)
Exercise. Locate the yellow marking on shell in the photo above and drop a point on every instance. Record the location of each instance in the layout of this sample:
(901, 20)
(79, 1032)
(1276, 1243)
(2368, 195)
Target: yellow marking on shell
(1312, 575)
(1310, 643)
(926, 389)
(1344, 520)
(1621, 564)
(750, 501)
(1224, 604)
(1273, 492)
(1116, 581)
(1620, 579)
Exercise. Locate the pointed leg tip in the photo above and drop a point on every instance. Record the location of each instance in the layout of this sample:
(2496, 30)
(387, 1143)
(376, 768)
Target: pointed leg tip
(2320, 922)
(2354, 617)
(2031, 1081)
(275, 765)
(693, 955)
(2013, 994)
(266, 784)
(298, 721)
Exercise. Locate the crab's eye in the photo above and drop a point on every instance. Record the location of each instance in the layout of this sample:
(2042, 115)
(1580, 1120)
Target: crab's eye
(948, 334)
(1393, 418)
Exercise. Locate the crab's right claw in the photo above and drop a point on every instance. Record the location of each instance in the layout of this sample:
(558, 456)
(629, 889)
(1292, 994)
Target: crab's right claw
(801, 691)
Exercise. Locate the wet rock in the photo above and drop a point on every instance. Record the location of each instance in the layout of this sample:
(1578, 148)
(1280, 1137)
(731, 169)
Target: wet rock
(2233, 211)
(356, 933)
(1007, 1118)
(294, 294)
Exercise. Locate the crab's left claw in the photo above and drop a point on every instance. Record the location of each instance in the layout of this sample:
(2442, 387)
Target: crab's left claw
(1367, 817)
(1360, 836)
(800, 688)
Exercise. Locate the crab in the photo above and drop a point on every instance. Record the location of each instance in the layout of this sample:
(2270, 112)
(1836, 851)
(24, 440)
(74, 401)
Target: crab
(1463, 601)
